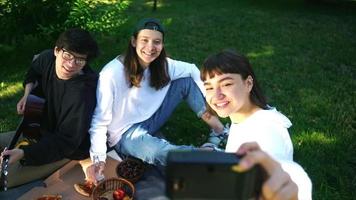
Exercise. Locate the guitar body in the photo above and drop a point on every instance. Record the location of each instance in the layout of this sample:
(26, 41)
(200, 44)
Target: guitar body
(32, 117)
(29, 127)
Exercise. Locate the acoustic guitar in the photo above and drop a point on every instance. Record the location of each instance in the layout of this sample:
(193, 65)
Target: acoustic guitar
(29, 127)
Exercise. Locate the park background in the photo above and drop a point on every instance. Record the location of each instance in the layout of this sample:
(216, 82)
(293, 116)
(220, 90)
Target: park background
(303, 52)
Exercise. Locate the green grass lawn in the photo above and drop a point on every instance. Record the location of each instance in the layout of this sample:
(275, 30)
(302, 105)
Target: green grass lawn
(304, 56)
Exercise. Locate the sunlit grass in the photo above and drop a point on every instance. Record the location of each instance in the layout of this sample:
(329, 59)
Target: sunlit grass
(167, 22)
(314, 137)
(264, 52)
(10, 89)
(159, 4)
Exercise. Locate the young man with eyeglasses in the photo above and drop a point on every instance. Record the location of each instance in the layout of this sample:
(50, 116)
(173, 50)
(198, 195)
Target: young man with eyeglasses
(64, 79)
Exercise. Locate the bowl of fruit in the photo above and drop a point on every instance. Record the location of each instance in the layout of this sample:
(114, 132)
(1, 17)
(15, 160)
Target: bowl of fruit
(114, 188)
(131, 169)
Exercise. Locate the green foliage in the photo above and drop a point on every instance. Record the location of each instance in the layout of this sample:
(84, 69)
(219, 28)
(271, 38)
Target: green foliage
(98, 16)
(50, 17)
(21, 17)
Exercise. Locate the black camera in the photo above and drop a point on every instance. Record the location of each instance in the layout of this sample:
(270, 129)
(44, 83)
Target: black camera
(210, 175)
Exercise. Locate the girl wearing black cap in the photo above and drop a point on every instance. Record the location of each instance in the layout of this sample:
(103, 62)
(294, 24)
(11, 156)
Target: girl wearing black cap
(138, 91)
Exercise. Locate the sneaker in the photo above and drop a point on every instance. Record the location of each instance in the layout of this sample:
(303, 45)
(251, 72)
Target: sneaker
(210, 147)
(219, 139)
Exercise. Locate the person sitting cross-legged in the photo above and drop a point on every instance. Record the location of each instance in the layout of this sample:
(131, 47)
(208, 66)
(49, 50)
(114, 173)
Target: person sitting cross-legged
(63, 77)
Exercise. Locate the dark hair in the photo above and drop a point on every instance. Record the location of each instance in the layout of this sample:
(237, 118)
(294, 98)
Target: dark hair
(78, 41)
(228, 61)
(134, 71)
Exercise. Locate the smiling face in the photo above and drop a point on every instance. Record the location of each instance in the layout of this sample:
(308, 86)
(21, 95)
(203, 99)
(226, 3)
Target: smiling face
(148, 45)
(229, 95)
(68, 64)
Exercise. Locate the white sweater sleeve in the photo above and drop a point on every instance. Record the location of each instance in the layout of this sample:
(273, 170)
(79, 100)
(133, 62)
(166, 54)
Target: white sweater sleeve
(179, 69)
(102, 116)
(300, 177)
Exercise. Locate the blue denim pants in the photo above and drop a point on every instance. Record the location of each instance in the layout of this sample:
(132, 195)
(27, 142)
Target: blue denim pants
(139, 141)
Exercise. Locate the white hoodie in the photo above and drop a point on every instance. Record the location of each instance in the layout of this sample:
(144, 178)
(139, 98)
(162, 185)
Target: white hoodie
(269, 128)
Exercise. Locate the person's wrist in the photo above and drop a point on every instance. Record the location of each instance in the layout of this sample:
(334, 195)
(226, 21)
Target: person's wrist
(22, 159)
(26, 93)
(101, 163)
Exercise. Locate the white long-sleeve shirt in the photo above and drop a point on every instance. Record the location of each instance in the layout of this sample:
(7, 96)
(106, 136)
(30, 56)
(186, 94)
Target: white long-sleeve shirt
(119, 106)
(269, 128)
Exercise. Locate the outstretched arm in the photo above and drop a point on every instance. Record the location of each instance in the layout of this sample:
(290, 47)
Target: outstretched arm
(279, 184)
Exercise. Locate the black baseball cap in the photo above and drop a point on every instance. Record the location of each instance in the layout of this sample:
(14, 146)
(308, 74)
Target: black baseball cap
(149, 23)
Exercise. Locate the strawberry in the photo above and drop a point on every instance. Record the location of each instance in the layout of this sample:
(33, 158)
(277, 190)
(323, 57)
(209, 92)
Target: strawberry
(118, 194)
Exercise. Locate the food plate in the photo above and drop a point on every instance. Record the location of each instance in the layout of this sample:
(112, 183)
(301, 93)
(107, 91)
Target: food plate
(131, 169)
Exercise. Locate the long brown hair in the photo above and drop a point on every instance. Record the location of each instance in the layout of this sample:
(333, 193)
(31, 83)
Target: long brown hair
(229, 61)
(134, 71)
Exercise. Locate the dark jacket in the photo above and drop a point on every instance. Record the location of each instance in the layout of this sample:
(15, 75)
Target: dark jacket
(67, 112)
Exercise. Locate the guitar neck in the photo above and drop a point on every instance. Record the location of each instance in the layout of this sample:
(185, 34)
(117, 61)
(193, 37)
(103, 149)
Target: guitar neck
(5, 161)
(33, 111)
(17, 135)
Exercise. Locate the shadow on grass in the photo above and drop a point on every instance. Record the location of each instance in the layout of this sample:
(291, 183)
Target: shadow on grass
(329, 163)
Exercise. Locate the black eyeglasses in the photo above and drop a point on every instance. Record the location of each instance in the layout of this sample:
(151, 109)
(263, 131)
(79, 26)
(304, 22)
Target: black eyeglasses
(66, 55)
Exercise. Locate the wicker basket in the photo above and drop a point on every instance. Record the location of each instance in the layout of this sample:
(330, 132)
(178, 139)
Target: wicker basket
(108, 186)
(131, 169)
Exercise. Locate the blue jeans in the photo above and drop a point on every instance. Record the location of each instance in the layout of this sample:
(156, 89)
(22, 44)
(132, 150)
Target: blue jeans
(139, 141)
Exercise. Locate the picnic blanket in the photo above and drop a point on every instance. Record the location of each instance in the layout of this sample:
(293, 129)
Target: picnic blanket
(151, 186)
